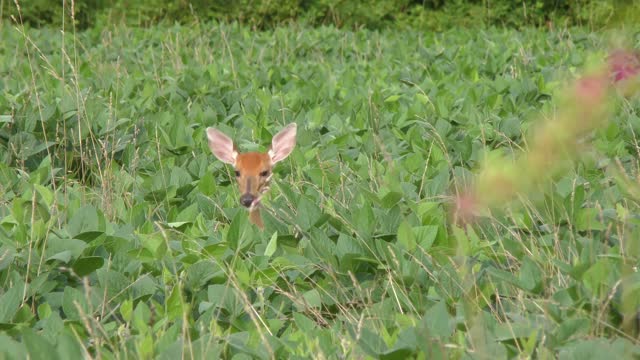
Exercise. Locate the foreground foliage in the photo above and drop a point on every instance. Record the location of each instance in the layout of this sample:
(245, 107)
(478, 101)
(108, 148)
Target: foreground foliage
(120, 236)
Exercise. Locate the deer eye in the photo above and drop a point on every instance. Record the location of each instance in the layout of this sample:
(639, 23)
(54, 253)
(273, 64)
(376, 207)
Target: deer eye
(264, 173)
(237, 173)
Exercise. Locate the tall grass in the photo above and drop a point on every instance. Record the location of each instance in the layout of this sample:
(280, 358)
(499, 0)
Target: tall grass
(120, 236)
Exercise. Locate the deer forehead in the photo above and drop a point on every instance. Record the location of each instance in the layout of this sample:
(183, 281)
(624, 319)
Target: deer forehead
(253, 163)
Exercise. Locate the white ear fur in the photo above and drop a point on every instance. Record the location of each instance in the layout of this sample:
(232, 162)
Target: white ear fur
(221, 146)
(283, 143)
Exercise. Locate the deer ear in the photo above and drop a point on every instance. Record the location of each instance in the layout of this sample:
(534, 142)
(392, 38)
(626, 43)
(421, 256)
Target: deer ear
(221, 146)
(283, 143)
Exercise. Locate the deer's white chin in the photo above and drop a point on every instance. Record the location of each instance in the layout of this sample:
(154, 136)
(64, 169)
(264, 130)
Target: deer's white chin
(255, 204)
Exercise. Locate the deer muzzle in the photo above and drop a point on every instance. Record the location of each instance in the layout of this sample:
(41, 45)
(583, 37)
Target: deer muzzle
(247, 200)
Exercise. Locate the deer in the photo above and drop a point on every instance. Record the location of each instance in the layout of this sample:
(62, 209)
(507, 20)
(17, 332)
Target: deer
(253, 170)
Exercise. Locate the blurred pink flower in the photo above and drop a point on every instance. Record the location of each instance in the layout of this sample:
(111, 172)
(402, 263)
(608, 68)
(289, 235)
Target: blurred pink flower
(591, 90)
(624, 64)
(466, 207)
(585, 107)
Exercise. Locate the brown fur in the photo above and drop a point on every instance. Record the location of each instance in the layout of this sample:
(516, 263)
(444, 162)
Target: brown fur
(253, 163)
(250, 165)
(255, 218)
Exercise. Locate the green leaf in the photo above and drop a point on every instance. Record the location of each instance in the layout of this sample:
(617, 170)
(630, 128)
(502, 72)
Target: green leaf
(88, 236)
(530, 275)
(438, 320)
(52, 326)
(85, 219)
(442, 108)
(45, 193)
(126, 310)
(38, 347)
(599, 348)
(405, 345)
(199, 274)
(303, 323)
(425, 235)
(406, 236)
(396, 354)
(143, 287)
(114, 283)
(44, 310)
(207, 184)
(237, 235)
(391, 199)
(179, 177)
(178, 224)
(63, 256)
(11, 349)
(75, 304)
(589, 219)
(207, 347)
(424, 99)
(24, 315)
(463, 243)
(7, 255)
(68, 346)
(364, 220)
(64, 249)
(222, 296)
(175, 305)
(597, 277)
(155, 243)
(141, 318)
(347, 245)
(308, 213)
(392, 99)
(10, 302)
(371, 343)
(272, 245)
(86, 265)
(312, 299)
(572, 327)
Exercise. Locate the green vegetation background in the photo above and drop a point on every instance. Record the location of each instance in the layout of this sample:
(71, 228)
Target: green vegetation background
(121, 236)
(425, 14)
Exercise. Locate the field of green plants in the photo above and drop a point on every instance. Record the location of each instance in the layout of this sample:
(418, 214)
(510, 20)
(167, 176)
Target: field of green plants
(121, 236)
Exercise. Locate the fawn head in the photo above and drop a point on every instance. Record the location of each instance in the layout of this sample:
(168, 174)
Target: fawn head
(252, 169)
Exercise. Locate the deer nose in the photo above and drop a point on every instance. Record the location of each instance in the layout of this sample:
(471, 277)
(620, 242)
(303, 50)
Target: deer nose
(246, 200)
